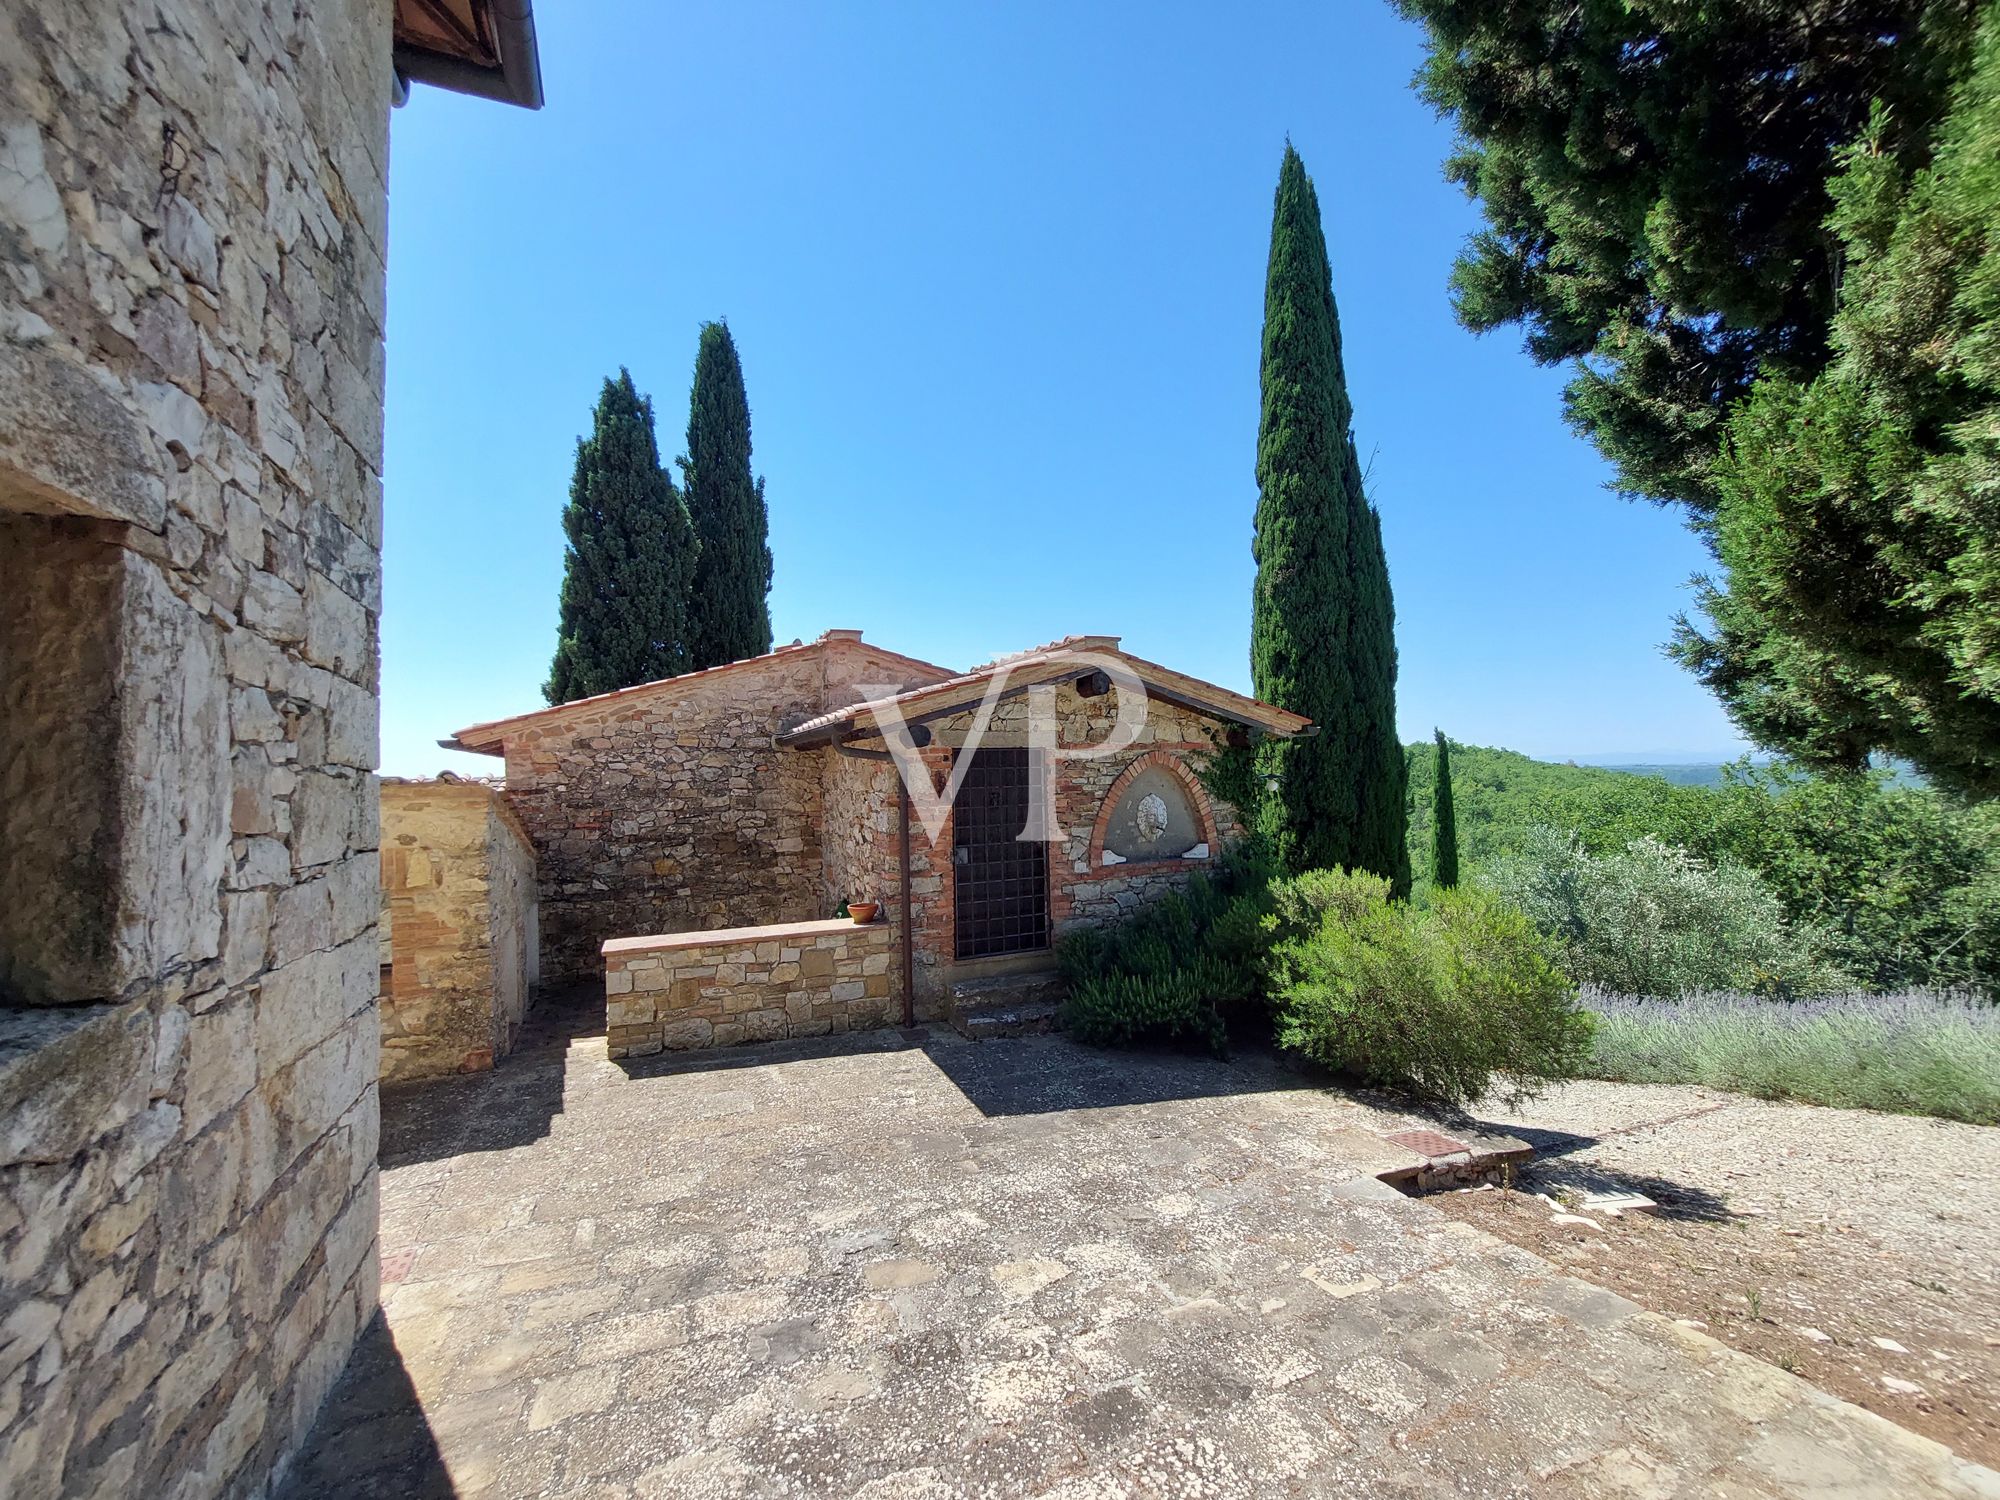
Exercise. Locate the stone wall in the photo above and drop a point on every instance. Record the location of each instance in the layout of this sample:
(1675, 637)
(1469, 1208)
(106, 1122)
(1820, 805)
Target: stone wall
(191, 296)
(671, 808)
(859, 841)
(458, 912)
(752, 984)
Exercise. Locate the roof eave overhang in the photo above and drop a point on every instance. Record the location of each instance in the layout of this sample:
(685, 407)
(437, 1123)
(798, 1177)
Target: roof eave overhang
(494, 747)
(518, 78)
(867, 723)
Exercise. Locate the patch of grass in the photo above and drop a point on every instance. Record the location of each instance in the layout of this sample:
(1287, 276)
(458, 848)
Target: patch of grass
(1917, 1053)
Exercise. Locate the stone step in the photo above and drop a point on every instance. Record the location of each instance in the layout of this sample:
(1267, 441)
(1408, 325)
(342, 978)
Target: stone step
(1007, 1004)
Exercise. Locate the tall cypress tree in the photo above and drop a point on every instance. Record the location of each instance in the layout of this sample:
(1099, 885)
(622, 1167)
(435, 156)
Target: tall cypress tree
(729, 610)
(1322, 636)
(631, 555)
(1444, 822)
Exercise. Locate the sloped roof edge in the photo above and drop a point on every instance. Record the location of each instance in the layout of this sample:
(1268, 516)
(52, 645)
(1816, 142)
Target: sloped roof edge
(1051, 662)
(488, 738)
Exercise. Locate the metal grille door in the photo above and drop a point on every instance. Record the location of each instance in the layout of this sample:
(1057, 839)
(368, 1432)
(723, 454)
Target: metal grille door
(1000, 882)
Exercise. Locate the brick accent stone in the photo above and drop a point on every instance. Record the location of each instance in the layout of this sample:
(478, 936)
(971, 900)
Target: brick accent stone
(192, 209)
(458, 927)
(719, 989)
(1176, 763)
(1081, 891)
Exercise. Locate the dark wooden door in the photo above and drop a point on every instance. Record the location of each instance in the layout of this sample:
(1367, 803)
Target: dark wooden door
(1000, 882)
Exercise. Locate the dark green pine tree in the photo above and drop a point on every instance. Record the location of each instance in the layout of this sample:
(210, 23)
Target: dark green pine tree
(1322, 637)
(1444, 822)
(630, 559)
(729, 609)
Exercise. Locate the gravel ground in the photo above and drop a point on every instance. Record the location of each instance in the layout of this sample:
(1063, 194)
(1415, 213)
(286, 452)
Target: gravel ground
(1859, 1250)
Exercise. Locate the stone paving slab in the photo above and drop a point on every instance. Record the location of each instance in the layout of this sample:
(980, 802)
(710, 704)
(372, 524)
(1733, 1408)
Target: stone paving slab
(910, 1265)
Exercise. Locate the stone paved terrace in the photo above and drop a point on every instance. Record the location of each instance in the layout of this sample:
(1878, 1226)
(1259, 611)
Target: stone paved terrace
(909, 1265)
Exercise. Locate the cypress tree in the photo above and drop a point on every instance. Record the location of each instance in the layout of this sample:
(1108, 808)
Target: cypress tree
(729, 609)
(1444, 822)
(1322, 639)
(630, 559)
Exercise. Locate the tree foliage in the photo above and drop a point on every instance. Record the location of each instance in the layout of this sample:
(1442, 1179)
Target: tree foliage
(1654, 920)
(729, 614)
(1654, 181)
(1903, 882)
(1323, 623)
(1858, 515)
(1444, 821)
(622, 613)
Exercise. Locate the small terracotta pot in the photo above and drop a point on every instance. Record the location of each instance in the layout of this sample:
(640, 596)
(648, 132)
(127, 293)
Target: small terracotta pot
(863, 912)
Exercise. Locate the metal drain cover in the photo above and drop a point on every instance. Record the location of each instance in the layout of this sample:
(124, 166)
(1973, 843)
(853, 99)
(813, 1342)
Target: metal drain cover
(1428, 1143)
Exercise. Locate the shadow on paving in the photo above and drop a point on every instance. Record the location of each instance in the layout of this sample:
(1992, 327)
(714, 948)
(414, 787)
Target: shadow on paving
(1552, 1169)
(1025, 1076)
(1048, 1075)
(766, 1054)
(371, 1440)
(430, 1119)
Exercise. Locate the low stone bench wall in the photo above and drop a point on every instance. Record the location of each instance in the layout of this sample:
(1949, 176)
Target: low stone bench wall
(684, 990)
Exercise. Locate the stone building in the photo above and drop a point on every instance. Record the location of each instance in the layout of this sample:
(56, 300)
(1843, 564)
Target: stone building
(696, 835)
(192, 208)
(460, 949)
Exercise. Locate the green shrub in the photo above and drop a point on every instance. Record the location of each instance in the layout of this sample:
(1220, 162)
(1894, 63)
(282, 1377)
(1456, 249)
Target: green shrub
(1442, 1000)
(1656, 920)
(1263, 916)
(1302, 904)
(1902, 881)
(1173, 968)
(1120, 1009)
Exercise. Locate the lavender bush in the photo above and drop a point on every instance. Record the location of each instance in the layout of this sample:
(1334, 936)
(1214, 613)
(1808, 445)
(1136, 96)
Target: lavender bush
(1920, 1052)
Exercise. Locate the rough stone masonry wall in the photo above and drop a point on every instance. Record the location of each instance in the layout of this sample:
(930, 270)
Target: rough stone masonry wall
(754, 984)
(671, 811)
(859, 839)
(191, 294)
(458, 909)
(675, 810)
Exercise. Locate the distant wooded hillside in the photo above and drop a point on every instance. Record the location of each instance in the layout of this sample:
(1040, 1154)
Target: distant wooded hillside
(1906, 880)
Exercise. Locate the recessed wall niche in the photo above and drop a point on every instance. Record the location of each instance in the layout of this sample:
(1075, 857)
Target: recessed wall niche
(1154, 818)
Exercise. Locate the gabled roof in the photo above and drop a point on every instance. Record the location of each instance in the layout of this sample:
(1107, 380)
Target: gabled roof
(489, 738)
(1054, 662)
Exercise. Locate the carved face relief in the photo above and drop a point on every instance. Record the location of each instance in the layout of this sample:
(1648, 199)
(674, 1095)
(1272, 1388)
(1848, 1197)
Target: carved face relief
(1152, 819)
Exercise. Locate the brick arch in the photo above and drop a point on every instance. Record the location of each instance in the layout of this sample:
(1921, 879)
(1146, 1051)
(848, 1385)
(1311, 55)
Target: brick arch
(1197, 795)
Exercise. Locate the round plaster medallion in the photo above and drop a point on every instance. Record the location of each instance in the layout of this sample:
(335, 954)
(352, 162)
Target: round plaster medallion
(1151, 817)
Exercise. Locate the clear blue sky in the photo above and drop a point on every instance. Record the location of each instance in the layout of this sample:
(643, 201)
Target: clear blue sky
(996, 274)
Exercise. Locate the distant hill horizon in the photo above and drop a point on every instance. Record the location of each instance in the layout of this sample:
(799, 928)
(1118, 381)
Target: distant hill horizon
(1619, 759)
(1499, 794)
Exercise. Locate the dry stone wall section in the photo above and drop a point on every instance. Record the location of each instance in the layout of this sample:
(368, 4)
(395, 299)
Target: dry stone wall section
(192, 206)
(458, 912)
